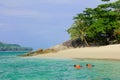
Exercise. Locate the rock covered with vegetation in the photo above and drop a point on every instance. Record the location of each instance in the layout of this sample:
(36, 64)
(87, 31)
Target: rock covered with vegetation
(13, 47)
(39, 51)
(65, 45)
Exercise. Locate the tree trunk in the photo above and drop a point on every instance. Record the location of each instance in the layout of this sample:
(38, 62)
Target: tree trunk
(86, 42)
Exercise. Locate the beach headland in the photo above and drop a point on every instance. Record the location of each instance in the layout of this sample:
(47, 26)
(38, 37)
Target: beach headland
(102, 52)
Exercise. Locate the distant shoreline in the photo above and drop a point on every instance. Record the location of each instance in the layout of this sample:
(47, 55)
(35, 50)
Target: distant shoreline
(14, 51)
(110, 52)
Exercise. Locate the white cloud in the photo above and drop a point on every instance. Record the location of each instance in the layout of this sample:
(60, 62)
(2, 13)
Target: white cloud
(12, 3)
(2, 25)
(57, 1)
(16, 3)
(18, 12)
(33, 13)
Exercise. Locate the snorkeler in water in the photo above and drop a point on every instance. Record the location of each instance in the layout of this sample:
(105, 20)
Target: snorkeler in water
(89, 65)
(77, 66)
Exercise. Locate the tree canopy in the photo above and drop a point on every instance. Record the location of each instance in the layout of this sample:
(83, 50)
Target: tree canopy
(100, 25)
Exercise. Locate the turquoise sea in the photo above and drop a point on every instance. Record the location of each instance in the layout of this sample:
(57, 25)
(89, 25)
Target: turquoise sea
(13, 67)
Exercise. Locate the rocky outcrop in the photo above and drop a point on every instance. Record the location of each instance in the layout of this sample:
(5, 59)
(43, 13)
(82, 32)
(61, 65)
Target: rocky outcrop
(65, 45)
(69, 44)
(40, 51)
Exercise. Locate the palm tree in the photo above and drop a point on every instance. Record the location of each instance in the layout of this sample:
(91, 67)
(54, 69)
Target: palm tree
(81, 26)
(82, 31)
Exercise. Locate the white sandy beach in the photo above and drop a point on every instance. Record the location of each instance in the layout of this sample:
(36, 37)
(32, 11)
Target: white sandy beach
(103, 52)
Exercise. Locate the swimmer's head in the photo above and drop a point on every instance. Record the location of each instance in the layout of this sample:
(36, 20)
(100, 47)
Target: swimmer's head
(74, 65)
(88, 64)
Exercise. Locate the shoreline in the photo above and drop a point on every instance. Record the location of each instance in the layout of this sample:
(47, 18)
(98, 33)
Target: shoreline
(100, 59)
(110, 52)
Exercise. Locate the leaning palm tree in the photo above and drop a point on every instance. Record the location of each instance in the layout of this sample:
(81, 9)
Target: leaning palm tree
(82, 31)
(78, 29)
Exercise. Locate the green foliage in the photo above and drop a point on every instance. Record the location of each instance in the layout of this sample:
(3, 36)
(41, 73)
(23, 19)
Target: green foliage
(74, 32)
(100, 24)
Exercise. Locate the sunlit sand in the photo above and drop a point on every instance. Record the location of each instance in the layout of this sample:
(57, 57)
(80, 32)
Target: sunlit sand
(103, 52)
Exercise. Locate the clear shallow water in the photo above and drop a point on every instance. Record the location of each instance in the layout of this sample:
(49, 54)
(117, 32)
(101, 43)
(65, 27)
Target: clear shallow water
(17, 68)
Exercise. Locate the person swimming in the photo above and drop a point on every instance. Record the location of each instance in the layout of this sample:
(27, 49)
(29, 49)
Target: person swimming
(89, 65)
(77, 66)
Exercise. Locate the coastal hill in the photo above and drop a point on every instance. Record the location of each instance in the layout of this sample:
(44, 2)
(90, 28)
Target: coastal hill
(13, 47)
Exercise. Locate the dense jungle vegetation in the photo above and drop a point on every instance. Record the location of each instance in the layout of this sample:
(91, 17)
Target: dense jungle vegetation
(97, 26)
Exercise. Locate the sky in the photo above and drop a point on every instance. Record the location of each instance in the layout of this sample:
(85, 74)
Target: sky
(39, 23)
